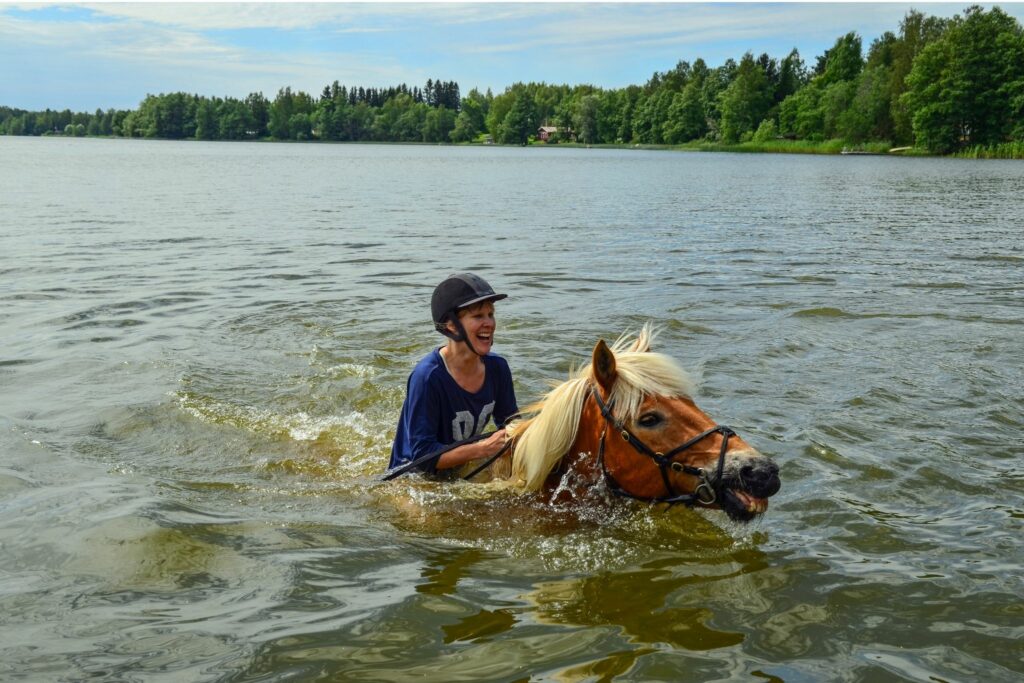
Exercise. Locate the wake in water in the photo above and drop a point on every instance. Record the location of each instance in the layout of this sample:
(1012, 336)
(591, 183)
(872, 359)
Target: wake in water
(299, 455)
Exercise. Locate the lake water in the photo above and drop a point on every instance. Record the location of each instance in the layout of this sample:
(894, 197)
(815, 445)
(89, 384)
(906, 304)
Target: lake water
(204, 347)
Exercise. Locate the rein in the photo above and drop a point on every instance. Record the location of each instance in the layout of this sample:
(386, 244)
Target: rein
(436, 455)
(429, 457)
(488, 461)
(705, 493)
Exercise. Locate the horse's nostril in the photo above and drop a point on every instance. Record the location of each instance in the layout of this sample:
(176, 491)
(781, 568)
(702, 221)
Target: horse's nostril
(760, 478)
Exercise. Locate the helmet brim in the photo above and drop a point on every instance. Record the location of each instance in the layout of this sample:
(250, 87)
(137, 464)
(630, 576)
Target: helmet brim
(481, 299)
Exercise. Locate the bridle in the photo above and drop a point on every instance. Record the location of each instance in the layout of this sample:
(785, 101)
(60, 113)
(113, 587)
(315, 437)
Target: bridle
(705, 493)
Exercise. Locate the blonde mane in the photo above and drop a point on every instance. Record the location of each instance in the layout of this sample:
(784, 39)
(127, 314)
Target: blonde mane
(551, 424)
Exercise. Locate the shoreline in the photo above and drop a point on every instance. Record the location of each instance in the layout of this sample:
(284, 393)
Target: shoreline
(826, 147)
(788, 147)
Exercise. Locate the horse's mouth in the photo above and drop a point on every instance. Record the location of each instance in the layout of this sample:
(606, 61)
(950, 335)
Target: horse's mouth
(750, 503)
(741, 505)
(748, 483)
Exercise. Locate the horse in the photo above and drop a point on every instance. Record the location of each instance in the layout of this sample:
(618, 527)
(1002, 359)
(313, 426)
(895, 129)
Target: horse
(628, 421)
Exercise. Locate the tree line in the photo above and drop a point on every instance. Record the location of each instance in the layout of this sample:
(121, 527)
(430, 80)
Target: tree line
(945, 85)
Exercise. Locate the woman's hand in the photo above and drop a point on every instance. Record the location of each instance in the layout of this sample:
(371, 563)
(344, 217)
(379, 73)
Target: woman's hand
(495, 442)
(483, 448)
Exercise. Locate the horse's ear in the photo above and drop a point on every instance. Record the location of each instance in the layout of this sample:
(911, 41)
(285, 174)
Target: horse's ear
(604, 366)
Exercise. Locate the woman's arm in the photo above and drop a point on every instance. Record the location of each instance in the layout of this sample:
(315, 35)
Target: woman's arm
(472, 451)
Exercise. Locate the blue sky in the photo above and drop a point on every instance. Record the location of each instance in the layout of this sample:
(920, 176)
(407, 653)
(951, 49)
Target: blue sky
(83, 56)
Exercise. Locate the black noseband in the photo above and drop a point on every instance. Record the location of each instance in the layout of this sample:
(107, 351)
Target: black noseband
(706, 491)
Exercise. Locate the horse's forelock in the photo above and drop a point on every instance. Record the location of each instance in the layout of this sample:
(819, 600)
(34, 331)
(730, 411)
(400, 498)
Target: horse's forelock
(642, 374)
(640, 344)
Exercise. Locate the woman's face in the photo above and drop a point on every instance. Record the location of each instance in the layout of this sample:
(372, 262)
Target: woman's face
(478, 321)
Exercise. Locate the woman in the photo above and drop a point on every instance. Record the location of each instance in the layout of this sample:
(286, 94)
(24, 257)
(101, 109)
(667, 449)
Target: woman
(457, 388)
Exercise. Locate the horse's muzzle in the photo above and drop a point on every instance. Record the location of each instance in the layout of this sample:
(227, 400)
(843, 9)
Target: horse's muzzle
(747, 482)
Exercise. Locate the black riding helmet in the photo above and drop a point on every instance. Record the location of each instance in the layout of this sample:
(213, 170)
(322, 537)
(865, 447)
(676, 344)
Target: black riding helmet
(455, 292)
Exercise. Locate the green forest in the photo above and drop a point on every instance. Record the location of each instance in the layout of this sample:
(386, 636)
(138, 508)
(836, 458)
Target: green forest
(937, 86)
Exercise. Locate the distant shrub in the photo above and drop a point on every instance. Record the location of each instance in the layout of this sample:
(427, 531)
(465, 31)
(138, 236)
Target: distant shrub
(1006, 150)
(767, 131)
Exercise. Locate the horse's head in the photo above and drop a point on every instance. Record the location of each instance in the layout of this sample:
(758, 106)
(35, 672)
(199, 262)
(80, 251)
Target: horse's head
(660, 446)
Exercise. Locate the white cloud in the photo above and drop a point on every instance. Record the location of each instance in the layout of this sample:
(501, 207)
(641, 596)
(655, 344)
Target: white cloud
(218, 16)
(611, 28)
(358, 16)
(125, 39)
(146, 58)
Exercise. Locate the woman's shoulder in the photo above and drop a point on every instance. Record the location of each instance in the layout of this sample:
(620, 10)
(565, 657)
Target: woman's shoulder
(428, 366)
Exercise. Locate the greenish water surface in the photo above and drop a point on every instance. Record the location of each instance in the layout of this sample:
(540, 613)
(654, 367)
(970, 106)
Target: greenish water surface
(204, 346)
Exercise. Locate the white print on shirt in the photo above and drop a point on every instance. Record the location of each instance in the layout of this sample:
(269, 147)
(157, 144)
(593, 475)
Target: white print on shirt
(464, 426)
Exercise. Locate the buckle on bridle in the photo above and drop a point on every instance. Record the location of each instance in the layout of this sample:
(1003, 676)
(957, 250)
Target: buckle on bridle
(705, 492)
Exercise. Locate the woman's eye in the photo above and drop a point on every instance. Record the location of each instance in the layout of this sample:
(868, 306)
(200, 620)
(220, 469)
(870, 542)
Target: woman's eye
(649, 420)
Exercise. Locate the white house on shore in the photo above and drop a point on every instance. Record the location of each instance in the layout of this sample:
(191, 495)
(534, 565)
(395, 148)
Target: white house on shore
(545, 133)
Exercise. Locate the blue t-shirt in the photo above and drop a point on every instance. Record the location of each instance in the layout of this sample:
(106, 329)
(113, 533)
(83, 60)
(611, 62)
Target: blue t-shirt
(438, 412)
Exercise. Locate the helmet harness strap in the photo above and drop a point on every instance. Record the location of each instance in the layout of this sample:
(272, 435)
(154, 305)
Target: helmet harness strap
(460, 334)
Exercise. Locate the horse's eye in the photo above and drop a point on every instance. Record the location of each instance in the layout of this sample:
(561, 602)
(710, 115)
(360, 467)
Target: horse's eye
(649, 420)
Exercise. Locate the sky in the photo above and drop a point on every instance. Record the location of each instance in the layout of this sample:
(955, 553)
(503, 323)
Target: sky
(85, 56)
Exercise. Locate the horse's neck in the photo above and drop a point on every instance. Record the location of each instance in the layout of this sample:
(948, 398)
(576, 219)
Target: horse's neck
(582, 455)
